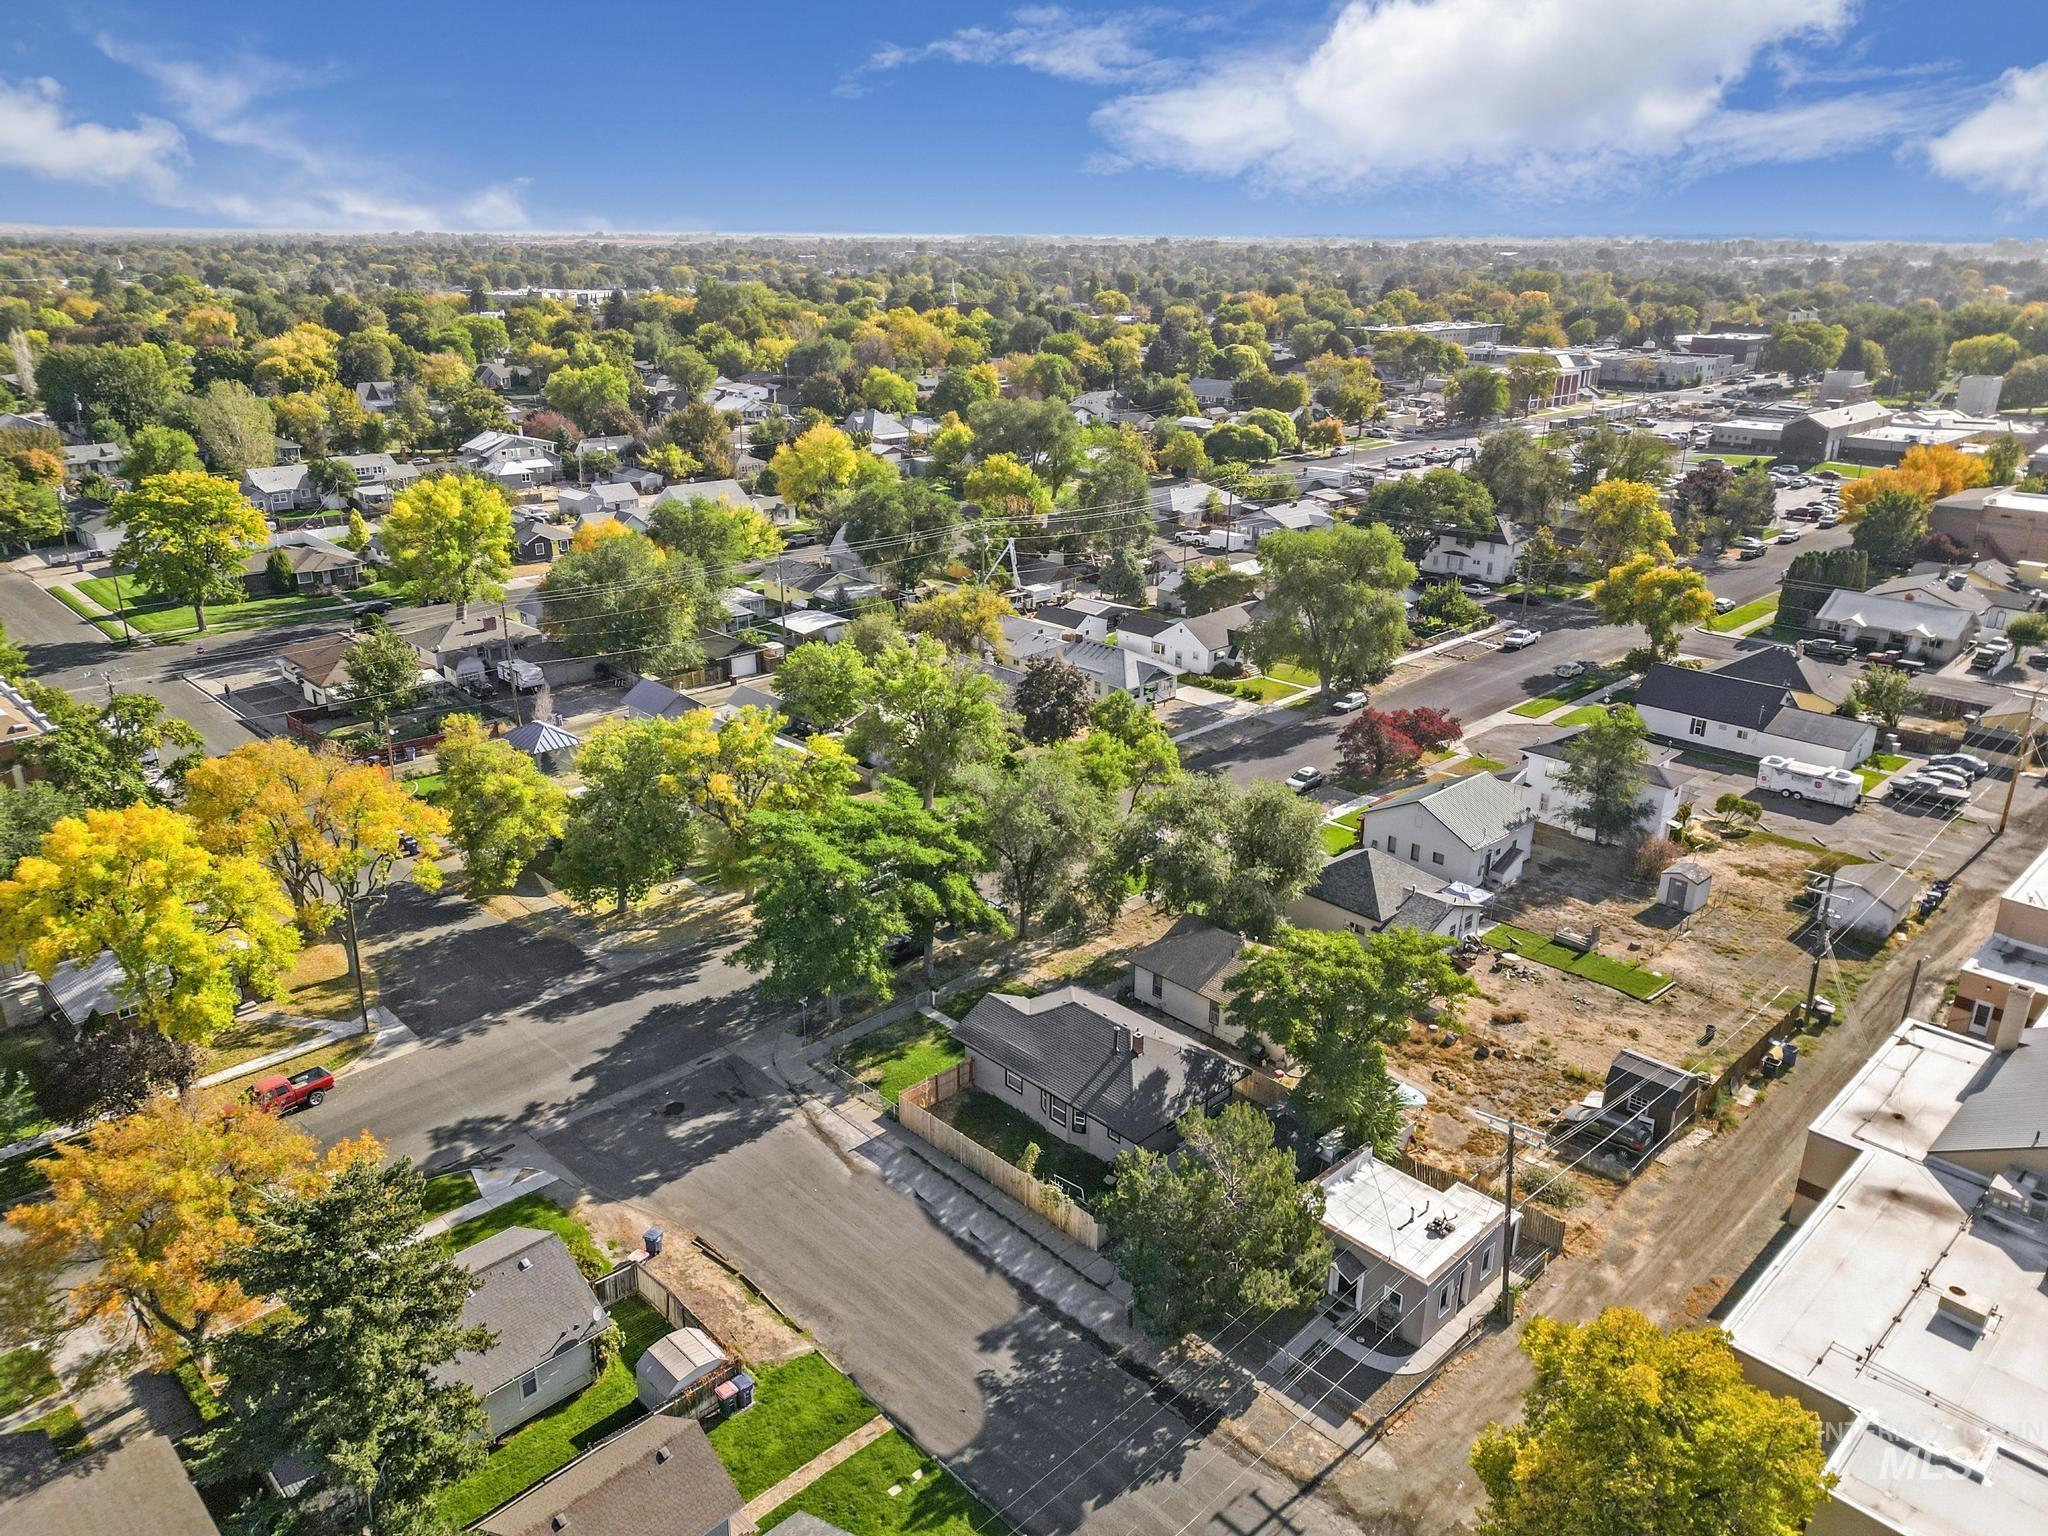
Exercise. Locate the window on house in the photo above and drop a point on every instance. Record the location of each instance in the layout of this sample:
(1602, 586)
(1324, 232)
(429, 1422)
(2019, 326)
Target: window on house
(1055, 1109)
(1158, 986)
(529, 1384)
(1080, 1125)
(1215, 1014)
(1414, 853)
(1981, 1015)
(1443, 1302)
(1436, 858)
(1012, 1081)
(1486, 1260)
(1699, 726)
(1110, 1132)
(1742, 735)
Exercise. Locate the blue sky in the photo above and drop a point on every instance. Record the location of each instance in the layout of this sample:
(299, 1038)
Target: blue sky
(1841, 119)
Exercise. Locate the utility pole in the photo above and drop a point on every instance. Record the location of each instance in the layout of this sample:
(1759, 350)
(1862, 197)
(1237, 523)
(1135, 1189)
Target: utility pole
(2019, 765)
(1507, 1236)
(1913, 986)
(1826, 945)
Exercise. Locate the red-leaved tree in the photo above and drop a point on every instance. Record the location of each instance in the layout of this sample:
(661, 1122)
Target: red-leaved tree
(1373, 746)
(1431, 729)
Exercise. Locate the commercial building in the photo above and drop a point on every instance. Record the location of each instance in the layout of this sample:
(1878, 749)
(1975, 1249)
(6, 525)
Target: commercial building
(1465, 333)
(1909, 1310)
(1577, 372)
(1746, 348)
(1649, 368)
(1819, 435)
(2000, 521)
(2006, 980)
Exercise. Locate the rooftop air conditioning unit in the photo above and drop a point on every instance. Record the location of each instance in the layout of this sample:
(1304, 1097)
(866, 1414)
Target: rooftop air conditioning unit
(1969, 1312)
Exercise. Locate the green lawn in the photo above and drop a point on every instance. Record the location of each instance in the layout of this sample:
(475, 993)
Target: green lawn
(67, 1435)
(1268, 688)
(560, 1435)
(1890, 762)
(246, 1039)
(802, 1408)
(25, 1375)
(1633, 980)
(449, 1192)
(1744, 616)
(894, 1057)
(23, 1051)
(532, 1211)
(929, 1500)
(1585, 714)
(1338, 838)
(153, 616)
(1288, 672)
(1007, 1132)
(1566, 690)
(111, 628)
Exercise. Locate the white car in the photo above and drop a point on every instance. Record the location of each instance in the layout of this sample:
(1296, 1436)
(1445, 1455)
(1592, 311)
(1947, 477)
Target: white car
(1518, 639)
(1569, 669)
(1724, 605)
(1345, 703)
(1475, 589)
(1304, 779)
(1790, 535)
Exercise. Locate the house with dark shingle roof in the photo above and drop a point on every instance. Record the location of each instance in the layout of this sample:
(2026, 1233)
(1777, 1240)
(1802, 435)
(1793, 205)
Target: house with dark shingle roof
(1747, 718)
(659, 1476)
(1475, 830)
(1182, 974)
(1368, 889)
(1096, 1074)
(1541, 780)
(525, 1287)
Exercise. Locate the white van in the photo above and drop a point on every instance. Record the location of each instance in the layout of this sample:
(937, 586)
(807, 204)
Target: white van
(1809, 781)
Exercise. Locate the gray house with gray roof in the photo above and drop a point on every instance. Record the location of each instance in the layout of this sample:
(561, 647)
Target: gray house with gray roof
(1368, 889)
(1096, 1074)
(1473, 830)
(527, 1290)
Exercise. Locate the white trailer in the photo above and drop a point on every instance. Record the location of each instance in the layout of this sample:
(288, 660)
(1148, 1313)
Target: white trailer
(1809, 781)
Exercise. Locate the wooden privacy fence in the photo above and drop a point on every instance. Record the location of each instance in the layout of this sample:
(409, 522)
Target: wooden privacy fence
(914, 1113)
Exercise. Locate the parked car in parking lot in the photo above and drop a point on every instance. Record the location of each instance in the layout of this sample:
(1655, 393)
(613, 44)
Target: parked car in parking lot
(1519, 639)
(1919, 789)
(1956, 776)
(1305, 778)
(1969, 762)
(1830, 519)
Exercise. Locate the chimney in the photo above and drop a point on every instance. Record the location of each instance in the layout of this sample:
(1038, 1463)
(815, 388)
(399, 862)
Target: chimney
(490, 624)
(2012, 1018)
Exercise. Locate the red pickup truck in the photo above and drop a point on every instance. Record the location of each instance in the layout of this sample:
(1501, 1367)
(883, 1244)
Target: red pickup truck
(280, 1094)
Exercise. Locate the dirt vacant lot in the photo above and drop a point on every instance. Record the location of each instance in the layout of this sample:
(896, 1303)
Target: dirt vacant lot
(1548, 1036)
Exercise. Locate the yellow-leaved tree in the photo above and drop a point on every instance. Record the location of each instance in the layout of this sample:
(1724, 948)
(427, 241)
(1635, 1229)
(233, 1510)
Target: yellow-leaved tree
(450, 540)
(335, 833)
(152, 1203)
(502, 810)
(729, 771)
(190, 927)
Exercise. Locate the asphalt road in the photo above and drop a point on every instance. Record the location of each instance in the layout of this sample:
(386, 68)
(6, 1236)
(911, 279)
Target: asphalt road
(527, 1045)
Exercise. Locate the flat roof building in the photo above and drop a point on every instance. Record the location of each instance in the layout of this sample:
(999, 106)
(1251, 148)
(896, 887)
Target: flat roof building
(1908, 1309)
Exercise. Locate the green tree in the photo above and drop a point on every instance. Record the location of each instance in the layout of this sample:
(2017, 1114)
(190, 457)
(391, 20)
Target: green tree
(616, 594)
(450, 540)
(825, 685)
(1628, 1429)
(1891, 526)
(586, 395)
(1805, 347)
(716, 534)
(1127, 749)
(1436, 501)
(907, 528)
(1606, 453)
(1237, 857)
(1205, 588)
(933, 714)
(1749, 502)
(186, 536)
(383, 676)
(128, 386)
(347, 1373)
(1225, 1227)
(1333, 1002)
(503, 812)
(887, 391)
(26, 816)
(1663, 599)
(2002, 460)
(103, 758)
(1532, 380)
(1606, 766)
(1053, 699)
(1040, 818)
(1240, 443)
(1528, 480)
(233, 427)
(158, 450)
(1478, 393)
(1333, 604)
(631, 828)
(1983, 354)
(1884, 693)
(29, 513)
(13, 659)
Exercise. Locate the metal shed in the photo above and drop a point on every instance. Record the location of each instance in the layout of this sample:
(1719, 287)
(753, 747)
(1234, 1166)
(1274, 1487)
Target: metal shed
(1686, 886)
(685, 1361)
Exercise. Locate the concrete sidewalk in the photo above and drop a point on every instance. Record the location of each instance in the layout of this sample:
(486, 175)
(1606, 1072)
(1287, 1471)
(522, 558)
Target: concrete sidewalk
(772, 1499)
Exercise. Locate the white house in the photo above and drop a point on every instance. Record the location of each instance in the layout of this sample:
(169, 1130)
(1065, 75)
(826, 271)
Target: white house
(1871, 900)
(511, 458)
(881, 428)
(1209, 393)
(1368, 889)
(275, 488)
(1488, 558)
(614, 499)
(1182, 975)
(1112, 669)
(1543, 763)
(1190, 502)
(1473, 830)
(1915, 622)
(1292, 517)
(1747, 719)
(1194, 645)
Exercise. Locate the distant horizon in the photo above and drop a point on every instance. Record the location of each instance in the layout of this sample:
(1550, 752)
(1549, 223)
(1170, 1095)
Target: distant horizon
(653, 236)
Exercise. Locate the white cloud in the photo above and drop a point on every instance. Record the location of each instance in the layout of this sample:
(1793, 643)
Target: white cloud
(1538, 97)
(2002, 147)
(37, 135)
(1048, 39)
(499, 207)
